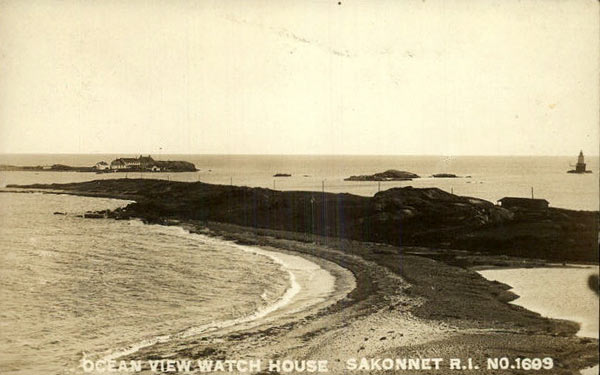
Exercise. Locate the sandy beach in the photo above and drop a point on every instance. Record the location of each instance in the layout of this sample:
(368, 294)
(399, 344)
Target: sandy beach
(412, 308)
(366, 313)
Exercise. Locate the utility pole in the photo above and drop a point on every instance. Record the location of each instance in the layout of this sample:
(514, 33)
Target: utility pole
(378, 186)
(312, 215)
(324, 211)
(532, 192)
(451, 190)
(230, 181)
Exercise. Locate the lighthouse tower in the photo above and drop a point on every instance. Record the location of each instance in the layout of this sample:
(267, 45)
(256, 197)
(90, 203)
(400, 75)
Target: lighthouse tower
(580, 167)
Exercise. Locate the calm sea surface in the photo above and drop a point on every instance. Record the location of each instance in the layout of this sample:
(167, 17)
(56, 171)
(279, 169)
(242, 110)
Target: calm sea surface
(72, 287)
(491, 177)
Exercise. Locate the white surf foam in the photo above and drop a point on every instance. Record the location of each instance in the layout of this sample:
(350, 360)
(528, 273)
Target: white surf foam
(284, 260)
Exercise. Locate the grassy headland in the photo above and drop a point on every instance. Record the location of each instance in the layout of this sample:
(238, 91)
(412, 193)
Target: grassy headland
(427, 217)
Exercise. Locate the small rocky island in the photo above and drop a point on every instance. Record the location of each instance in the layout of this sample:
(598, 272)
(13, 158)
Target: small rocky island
(389, 175)
(282, 175)
(444, 175)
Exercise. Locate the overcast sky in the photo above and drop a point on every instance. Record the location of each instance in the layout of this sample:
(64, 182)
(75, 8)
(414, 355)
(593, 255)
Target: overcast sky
(300, 77)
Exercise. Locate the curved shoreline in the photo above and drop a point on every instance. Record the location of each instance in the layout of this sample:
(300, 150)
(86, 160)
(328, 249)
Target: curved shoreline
(424, 298)
(293, 264)
(402, 305)
(365, 296)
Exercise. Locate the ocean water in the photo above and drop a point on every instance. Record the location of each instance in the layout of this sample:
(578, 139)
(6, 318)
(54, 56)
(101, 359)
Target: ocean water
(73, 288)
(491, 178)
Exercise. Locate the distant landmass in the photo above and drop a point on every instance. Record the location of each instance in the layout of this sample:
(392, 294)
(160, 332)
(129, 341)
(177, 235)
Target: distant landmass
(389, 175)
(139, 164)
(51, 168)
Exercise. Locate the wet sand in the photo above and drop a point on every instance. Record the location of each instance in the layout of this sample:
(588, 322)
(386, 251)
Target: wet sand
(366, 313)
(314, 284)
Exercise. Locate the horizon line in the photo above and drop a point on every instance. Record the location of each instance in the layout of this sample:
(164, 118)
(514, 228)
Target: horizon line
(291, 154)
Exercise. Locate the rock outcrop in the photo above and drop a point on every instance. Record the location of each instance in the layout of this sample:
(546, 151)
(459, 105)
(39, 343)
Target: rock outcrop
(389, 175)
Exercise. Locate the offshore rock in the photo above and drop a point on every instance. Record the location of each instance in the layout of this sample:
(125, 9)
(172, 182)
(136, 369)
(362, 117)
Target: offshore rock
(389, 175)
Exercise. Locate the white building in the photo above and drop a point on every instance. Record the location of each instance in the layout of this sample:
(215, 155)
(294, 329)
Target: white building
(125, 163)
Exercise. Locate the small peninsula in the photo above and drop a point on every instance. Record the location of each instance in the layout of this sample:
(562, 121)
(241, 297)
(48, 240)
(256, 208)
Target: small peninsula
(139, 164)
(426, 217)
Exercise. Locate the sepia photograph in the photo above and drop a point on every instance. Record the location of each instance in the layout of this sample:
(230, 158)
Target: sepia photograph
(299, 187)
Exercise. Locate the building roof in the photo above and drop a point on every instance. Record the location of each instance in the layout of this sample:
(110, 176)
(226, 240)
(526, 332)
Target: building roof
(102, 163)
(146, 159)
